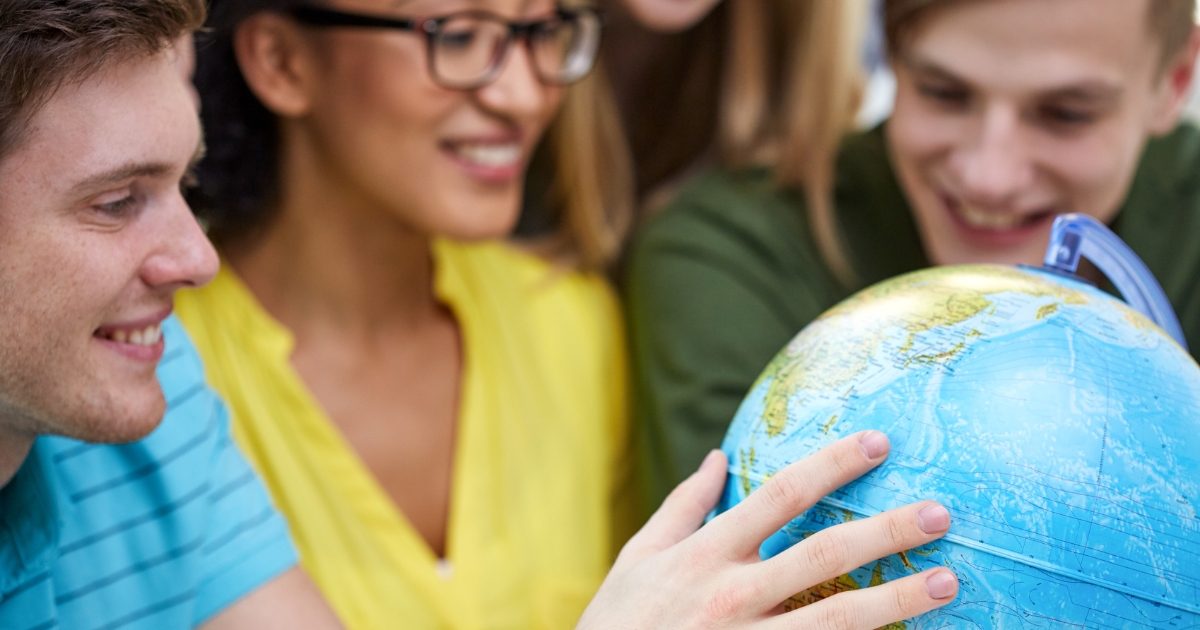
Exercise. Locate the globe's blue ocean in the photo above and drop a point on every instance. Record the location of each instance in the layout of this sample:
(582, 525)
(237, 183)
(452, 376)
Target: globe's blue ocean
(1060, 427)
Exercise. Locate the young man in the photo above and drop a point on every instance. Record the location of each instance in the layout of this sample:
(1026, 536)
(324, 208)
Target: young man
(100, 528)
(1008, 113)
(123, 502)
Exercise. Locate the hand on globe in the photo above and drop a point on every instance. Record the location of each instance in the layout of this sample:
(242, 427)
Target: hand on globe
(675, 574)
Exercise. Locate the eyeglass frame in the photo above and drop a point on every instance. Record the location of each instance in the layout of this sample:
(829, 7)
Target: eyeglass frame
(318, 16)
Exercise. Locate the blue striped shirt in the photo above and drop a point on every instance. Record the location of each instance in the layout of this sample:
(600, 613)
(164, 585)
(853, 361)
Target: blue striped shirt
(162, 533)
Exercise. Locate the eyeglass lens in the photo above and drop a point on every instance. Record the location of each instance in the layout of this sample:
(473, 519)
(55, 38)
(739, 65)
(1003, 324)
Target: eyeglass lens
(467, 50)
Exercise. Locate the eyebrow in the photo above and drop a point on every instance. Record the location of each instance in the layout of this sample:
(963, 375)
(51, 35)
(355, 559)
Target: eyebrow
(135, 170)
(1091, 91)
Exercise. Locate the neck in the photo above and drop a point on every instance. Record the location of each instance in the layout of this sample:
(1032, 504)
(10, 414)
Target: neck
(14, 449)
(334, 260)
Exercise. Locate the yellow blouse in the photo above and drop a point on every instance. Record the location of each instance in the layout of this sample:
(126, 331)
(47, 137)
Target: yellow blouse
(541, 450)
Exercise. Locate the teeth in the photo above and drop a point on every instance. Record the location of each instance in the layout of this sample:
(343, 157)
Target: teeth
(984, 220)
(491, 155)
(147, 336)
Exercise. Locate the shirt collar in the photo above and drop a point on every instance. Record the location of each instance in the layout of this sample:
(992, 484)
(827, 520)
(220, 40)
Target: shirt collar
(29, 524)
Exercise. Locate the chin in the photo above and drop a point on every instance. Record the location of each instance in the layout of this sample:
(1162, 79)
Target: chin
(122, 421)
(1031, 255)
(485, 222)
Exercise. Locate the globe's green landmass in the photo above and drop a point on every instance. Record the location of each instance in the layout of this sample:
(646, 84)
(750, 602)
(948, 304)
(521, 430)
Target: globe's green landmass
(927, 300)
(1061, 427)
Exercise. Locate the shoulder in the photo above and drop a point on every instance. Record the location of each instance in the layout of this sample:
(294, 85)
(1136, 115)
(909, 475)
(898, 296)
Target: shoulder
(1173, 160)
(513, 283)
(1166, 185)
(1162, 208)
(728, 235)
(746, 218)
(526, 320)
(224, 306)
(180, 512)
(1161, 218)
(726, 212)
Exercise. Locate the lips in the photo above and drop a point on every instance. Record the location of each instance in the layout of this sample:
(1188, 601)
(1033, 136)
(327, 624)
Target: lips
(494, 161)
(489, 155)
(990, 228)
(147, 336)
(137, 339)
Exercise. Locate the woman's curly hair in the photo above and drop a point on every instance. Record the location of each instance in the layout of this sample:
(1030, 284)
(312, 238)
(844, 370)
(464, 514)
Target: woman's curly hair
(238, 179)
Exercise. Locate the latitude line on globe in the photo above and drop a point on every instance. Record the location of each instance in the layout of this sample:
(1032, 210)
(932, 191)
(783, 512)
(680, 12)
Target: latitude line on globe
(1033, 562)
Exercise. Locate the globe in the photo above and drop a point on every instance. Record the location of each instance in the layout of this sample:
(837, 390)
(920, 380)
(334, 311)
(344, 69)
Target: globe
(1059, 426)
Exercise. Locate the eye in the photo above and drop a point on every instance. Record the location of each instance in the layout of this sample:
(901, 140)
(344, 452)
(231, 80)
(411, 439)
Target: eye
(550, 30)
(459, 39)
(943, 94)
(1065, 116)
(118, 208)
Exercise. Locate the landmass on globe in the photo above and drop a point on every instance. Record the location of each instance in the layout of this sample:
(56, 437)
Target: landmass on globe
(1061, 428)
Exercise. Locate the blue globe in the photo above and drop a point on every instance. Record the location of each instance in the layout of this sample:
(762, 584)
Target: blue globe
(1059, 426)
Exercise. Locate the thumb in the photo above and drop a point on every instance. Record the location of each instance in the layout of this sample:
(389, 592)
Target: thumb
(681, 514)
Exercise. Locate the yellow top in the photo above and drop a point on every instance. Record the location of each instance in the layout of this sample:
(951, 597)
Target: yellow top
(540, 454)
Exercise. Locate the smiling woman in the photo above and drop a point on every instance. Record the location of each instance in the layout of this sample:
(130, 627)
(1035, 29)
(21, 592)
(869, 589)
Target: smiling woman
(439, 412)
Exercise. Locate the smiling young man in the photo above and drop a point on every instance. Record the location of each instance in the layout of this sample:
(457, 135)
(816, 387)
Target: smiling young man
(123, 503)
(1008, 113)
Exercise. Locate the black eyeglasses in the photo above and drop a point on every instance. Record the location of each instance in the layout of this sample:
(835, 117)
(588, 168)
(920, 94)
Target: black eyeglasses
(467, 50)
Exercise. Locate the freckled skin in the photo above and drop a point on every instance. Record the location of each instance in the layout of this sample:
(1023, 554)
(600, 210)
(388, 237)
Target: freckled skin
(70, 264)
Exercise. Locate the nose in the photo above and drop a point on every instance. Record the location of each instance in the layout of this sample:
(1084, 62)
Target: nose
(516, 92)
(185, 257)
(996, 165)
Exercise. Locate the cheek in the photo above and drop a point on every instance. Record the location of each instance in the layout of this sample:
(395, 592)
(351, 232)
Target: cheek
(919, 134)
(49, 305)
(378, 99)
(556, 99)
(1094, 170)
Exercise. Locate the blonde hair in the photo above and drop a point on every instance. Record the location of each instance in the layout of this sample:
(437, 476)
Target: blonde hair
(792, 86)
(592, 192)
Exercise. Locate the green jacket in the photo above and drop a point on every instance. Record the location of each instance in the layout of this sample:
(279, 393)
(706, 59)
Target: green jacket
(719, 281)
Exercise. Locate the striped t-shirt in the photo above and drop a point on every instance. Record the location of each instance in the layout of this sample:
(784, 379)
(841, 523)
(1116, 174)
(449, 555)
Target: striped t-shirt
(162, 533)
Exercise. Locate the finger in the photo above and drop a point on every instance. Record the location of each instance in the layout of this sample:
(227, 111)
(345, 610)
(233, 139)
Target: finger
(841, 549)
(793, 490)
(874, 607)
(682, 513)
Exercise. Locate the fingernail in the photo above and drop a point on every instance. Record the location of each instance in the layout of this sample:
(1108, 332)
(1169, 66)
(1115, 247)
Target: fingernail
(874, 445)
(933, 519)
(941, 585)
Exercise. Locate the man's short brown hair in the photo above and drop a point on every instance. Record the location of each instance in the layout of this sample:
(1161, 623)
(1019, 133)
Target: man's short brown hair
(1171, 21)
(45, 44)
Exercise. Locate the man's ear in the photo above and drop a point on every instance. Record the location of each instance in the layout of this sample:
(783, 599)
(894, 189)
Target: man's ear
(277, 63)
(1175, 86)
